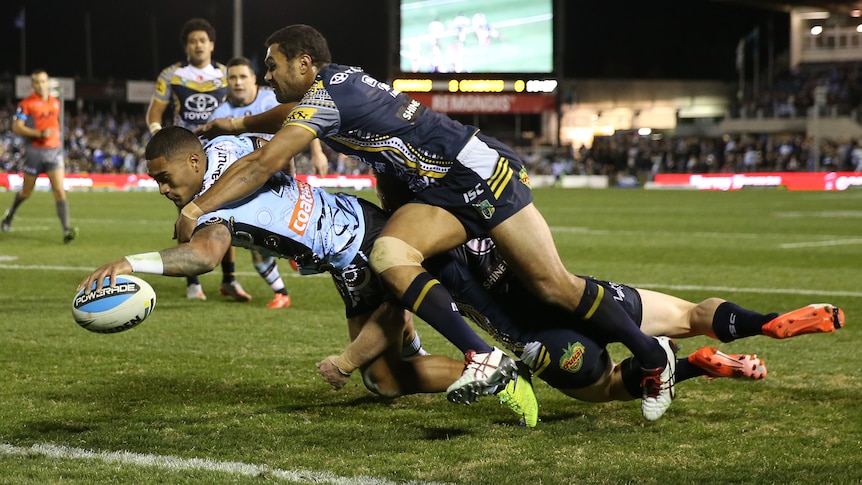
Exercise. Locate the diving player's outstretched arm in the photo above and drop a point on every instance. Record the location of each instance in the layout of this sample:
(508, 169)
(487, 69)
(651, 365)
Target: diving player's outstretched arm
(200, 255)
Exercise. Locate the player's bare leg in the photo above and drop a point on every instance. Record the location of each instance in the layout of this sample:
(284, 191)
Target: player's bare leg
(414, 232)
(20, 196)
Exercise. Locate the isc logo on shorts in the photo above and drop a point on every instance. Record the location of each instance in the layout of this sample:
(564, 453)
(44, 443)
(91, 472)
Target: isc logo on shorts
(302, 210)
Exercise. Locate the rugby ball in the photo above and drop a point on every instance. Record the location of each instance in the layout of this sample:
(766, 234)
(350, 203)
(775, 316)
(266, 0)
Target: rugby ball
(112, 309)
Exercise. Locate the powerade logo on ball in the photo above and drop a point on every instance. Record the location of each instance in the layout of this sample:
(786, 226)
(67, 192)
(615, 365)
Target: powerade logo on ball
(120, 289)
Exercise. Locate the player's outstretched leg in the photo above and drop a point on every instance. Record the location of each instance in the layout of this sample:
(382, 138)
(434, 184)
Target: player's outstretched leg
(658, 384)
(481, 373)
(736, 366)
(816, 318)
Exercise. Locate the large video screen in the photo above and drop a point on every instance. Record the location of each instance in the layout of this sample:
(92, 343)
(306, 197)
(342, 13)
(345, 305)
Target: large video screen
(477, 36)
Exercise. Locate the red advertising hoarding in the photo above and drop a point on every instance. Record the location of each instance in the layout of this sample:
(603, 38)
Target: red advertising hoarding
(78, 181)
(786, 180)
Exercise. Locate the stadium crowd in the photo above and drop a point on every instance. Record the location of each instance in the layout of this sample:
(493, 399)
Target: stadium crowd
(103, 142)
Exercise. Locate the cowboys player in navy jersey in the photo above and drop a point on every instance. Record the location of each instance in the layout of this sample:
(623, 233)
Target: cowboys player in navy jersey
(323, 232)
(466, 184)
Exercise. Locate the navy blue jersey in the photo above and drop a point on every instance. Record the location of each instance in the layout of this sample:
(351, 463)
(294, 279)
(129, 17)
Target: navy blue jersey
(447, 164)
(360, 116)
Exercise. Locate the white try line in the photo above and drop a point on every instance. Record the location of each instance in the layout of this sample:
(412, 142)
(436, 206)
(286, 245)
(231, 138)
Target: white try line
(174, 463)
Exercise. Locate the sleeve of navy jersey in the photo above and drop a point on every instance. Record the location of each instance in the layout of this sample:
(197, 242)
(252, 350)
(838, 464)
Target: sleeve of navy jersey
(358, 115)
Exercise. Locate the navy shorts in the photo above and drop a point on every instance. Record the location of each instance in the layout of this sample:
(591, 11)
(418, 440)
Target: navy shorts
(479, 203)
(576, 353)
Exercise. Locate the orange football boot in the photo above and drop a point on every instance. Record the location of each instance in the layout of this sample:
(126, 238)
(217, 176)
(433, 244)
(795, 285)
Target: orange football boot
(819, 317)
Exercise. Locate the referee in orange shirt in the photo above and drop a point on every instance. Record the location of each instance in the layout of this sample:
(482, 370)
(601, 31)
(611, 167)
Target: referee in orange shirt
(38, 118)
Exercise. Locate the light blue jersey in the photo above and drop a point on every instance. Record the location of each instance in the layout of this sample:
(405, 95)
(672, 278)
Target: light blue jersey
(285, 217)
(264, 100)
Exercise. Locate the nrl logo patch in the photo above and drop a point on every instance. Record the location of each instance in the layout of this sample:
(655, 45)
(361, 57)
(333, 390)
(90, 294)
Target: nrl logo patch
(485, 209)
(573, 358)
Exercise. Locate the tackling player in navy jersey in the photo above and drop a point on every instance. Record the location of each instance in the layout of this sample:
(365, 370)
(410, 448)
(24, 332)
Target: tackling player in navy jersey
(322, 232)
(465, 184)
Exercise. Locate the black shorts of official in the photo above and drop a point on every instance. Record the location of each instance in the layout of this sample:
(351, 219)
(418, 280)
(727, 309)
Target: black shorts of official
(481, 204)
(360, 288)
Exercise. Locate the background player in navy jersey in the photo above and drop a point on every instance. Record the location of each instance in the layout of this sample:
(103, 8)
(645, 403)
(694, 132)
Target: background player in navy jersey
(466, 184)
(323, 232)
(245, 98)
(193, 89)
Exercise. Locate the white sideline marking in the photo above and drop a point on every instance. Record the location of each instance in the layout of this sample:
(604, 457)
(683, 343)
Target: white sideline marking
(37, 267)
(295, 274)
(729, 289)
(814, 244)
(176, 464)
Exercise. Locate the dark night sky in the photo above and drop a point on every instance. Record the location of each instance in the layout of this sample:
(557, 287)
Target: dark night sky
(685, 39)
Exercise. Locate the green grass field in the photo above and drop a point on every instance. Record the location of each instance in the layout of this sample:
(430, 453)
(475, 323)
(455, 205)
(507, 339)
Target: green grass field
(218, 392)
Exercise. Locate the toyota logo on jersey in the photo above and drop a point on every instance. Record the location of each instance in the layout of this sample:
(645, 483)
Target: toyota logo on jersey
(199, 106)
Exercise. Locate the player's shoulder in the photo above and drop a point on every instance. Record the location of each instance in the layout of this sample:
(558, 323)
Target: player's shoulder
(336, 74)
(167, 71)
(221, 67)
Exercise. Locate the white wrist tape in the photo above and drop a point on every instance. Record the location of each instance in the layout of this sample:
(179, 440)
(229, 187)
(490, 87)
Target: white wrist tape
(154, 127)
(147, 263)
(238, 124)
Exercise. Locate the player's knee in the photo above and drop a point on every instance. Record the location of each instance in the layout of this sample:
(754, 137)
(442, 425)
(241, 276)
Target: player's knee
(389, 252)
(701, 315)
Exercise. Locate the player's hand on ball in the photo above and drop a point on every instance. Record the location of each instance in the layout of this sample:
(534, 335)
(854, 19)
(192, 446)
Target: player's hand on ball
(331, 374)
(120, 266)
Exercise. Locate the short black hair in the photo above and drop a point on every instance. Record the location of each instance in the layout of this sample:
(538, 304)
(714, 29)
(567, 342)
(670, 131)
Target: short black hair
(298, 39)
(170, 141)
(195, 24)
(240, 61)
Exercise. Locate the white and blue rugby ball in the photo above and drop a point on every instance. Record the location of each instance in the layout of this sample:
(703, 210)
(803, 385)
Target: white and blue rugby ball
(112, 309)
